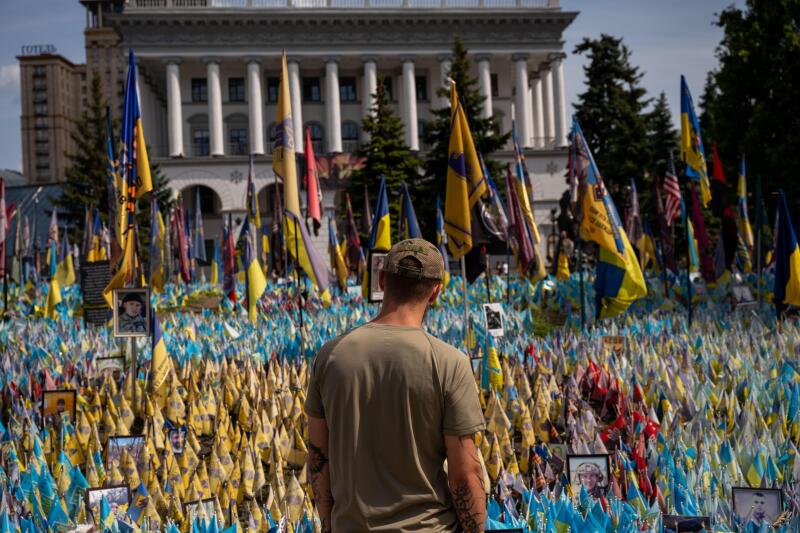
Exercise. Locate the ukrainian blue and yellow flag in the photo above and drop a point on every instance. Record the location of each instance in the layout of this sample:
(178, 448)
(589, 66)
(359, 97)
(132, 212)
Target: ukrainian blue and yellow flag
(787, 259)
(337, 254)
(97, 252)
(199, 238)
(465, 181)
(160, 364)
(743, 222)
(619, 280)
(256, 282)
(524, 188)
(692, 152)
(380, 235)
(409, 227)
(298, 242)
(54, 291)
(65, 270)
(116, 217)
(133, 157)
(157, 233)
(215, 262)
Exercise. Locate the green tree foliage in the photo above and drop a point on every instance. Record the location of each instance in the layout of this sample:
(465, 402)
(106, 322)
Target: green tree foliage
(611, 113)
(386, 154)
(752, 100)
(485, 132)
(663, 140)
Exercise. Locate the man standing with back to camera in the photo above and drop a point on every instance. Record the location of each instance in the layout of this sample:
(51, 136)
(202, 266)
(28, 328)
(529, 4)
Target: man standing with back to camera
(387, 403)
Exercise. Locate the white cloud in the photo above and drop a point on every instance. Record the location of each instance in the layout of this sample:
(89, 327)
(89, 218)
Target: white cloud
(9, 76)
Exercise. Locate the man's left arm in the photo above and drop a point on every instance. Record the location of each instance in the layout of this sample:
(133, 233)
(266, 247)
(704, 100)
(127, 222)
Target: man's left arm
(319, 469)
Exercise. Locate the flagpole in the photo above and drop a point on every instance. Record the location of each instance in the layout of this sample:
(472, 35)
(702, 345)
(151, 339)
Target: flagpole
(759, 222)
(580, 277)
(299, 293)
(466, 303)
(688, 264)
(508, 271)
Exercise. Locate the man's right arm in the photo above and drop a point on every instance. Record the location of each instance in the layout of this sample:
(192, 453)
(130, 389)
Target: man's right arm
(465, 477)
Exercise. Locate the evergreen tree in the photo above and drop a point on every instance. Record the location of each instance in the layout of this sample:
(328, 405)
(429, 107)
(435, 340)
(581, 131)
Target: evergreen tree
(86, 183)
(386, 154)
(485, 133)
(612, 115)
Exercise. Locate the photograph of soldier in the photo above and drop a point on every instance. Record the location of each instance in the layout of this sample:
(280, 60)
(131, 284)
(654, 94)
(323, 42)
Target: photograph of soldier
(57, 404)
(131, 313)
(590, 472)
(756, 507)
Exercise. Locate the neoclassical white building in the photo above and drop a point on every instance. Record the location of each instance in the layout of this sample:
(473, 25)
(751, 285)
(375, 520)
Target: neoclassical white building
(209, 73)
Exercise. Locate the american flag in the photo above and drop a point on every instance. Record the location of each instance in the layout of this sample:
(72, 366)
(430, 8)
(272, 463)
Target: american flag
(672, 194)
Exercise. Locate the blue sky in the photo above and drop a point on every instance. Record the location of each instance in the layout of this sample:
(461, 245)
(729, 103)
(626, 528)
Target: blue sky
(666, 38)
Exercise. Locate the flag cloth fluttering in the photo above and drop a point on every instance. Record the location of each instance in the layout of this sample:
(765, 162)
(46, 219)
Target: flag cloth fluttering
(672, 193)
(787, 259)
(380, 235)
(65, 269)
(441, 241)
(157, 237)
(692, 152)
(619, 280)
(96, 252)
(229, 261)
(719, 172)
(519, 237)
(298, 242)
(633, 222)
(701, 237)
(355, 253)
(256, 282)
(215, 263)
(313, 191)
(465, 181)
(409, 227)
(743, 221)
(54, 291)
(198, 235)
(337, 255)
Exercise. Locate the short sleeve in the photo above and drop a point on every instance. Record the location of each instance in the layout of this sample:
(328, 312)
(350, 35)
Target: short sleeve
(313, 405)
(462, 407)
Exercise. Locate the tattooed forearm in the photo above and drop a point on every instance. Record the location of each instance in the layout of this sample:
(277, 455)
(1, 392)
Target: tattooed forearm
(468, 516)
(316, 459)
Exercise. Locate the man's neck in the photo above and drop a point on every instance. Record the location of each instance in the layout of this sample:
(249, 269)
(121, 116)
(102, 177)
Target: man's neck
(400, 315)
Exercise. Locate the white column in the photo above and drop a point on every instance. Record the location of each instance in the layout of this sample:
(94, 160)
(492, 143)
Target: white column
(333, 111)
(255, 106)
(557, 69)
(174, 109)
(538, 113)
(522, 111)
(445, 62)
(547, 103)
(485, 79)
(216, 136)
(369, 89)
(410, 107)
(293, 66)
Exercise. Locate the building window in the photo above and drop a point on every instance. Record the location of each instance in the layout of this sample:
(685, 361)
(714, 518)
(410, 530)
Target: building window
(495, 85)
(387, 87)
(422, 132)
(273, 90)
(422, 88)
(39, 84)
(200, 143)
(347, 89)
(40, 123)
(199, 90)
(42, 162)
(42, 135)
(316, 136)
(39, 70)
(311, 90)
(271, 137)
(236, 89)
(349, 136)
(40, 109)
(42, 148)
(238, 141)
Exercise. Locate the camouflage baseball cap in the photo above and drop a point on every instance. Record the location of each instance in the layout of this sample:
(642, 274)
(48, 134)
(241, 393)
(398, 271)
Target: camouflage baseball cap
(427, 254)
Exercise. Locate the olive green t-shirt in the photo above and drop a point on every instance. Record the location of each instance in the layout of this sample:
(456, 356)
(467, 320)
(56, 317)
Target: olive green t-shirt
(389, 395)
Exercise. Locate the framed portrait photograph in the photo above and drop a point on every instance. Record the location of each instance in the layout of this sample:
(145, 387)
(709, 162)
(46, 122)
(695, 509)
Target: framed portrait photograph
(493, 319)
(116, 496)
(114, 365)
(57, 404)
(376, 261)
(756, 507)
(589, 471)
(133, 443)
(177, 439)
(686, 524)
(132, 312)
(202, 508)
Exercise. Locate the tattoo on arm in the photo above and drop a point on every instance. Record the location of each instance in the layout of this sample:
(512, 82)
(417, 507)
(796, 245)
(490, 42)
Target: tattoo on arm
(316, 459)
(462, 502)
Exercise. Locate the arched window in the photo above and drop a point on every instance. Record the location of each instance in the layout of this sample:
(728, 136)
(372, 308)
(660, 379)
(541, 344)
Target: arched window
(349, 136)
(317, 136)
